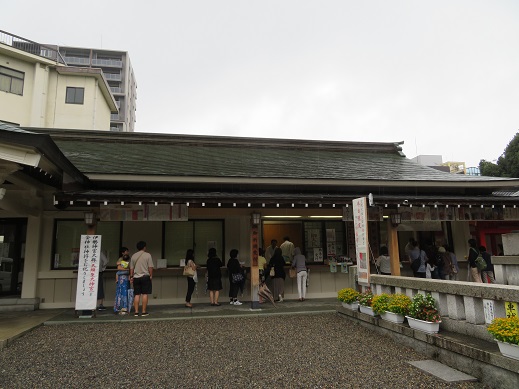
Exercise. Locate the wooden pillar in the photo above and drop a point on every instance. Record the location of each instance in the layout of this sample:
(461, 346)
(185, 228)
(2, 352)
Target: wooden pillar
(393, 248)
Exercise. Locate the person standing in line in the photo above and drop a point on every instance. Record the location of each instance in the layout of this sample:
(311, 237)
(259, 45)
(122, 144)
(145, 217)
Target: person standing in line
(383, 261)
(299, 263)
(214, 276)
(269, 252)
(430, 268)
(418, 260)
(473, 254)
(454, 261)
(141, 275)
(262, 263)
(122, 303)
(447, 271)
(278, 280)
(103, 261)
(234, 268)
(408, 248)
(191, 281)
(487, 275)
(287, 250)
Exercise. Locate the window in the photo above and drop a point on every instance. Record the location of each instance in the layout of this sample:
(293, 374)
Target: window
(199, 235)
(11, 81)
(68, 237)
(324, 239)
(75, 95)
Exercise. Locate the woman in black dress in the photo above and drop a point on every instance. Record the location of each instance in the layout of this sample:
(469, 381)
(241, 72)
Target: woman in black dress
(214, 276)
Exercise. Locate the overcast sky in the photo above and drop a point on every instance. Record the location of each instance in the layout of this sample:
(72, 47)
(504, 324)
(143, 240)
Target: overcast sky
(442, 76)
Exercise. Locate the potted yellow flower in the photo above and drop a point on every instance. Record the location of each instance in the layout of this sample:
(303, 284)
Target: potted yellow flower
(349, 298)
(505, 331)
(365, 301)
(392, 307)
(423, 314)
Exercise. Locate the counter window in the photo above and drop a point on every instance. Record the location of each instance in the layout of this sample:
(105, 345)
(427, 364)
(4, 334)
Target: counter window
(67, 240)
(199, 235)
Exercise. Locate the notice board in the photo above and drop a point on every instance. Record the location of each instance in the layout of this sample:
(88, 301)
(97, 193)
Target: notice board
(88, 272)
(360, 224)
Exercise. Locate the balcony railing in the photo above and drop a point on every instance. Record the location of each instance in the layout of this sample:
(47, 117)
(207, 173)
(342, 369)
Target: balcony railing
(116, 90)
(77, 61)
(108, 62)
(31, 47)
(115, 116)
(112, 76)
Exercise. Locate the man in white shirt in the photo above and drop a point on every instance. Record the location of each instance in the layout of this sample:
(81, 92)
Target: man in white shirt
(141, 274)
(287, 249)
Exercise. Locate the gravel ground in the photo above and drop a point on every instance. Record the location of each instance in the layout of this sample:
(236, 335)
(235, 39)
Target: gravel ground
(303, 351)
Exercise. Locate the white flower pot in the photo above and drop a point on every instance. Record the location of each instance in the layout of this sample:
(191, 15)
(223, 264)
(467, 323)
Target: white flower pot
(424, 326)
(353, 306)
(392, 317)
(367, 310)
(508, 349)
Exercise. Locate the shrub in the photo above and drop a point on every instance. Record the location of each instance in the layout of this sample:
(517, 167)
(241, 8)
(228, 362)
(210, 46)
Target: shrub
(366, 297)
(380, 303)
(505, 329)
(348, 295)
(424, 308)
(399, 304)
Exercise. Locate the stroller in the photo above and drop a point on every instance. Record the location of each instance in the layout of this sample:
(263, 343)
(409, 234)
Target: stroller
(265, 294)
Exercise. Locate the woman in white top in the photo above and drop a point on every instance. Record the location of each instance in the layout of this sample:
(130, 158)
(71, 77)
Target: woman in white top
(383, 262)
(191, 281)
(299, 263)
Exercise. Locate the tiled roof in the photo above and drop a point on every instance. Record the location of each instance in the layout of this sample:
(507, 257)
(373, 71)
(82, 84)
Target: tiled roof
(180, 155)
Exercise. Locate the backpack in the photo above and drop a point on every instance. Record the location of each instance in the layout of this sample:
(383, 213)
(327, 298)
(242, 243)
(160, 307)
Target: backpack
(481, 264)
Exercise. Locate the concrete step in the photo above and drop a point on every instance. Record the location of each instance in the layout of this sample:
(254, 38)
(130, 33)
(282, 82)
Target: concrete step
(19, 304)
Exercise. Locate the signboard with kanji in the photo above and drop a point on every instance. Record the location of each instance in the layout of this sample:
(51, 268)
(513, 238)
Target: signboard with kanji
(360, 224)
(88, 272)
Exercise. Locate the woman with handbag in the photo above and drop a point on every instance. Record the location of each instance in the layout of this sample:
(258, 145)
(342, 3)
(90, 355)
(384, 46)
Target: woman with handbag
(299, 264)
(235, 277)
(191, 280)
(276, 270)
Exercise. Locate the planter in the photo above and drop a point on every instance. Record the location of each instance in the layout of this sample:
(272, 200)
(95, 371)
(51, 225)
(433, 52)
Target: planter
(392, 317)
(353, 306)
(367, 310)
(424, 326)
(508, 349)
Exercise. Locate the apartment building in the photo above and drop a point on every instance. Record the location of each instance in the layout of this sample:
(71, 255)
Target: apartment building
(118, 71)
(38, 89)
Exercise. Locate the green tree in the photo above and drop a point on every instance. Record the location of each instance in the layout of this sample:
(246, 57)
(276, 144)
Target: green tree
(507, 165)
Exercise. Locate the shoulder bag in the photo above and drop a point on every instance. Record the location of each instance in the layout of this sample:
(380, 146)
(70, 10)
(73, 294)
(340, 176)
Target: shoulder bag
(237, 278)
(188, 271)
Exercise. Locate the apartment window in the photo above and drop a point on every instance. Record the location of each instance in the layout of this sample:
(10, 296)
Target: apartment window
(11, 81)
(75, 95)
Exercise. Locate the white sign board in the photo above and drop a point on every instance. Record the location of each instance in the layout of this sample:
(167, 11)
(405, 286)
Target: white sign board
(88, 272)
(360, 224)
(488, 308)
